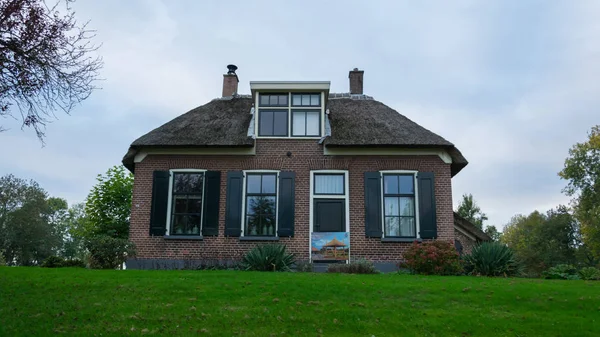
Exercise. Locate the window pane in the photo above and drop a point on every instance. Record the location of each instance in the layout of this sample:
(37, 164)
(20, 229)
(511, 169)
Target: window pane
(283, 99)
(266, 123)
(312, 123)
(273, 100)
(280, 126)
(193, 224)
(180, 204)
(296, 99)
(268, 183)
(314, 100)
(178, 224)
(188, 182)
(264, 100)
(298, 123)
(306, 100)
(407, 227)
(391, 206)
(407, 206)
(252, 205)
(390, 184)
(329, 184)
(194, 204)
(260, 206)
(251, 226)
(253, 183)
(392, 226)
(407, 184)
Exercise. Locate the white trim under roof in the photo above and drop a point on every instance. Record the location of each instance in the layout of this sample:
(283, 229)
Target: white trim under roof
(289, 85)
(382, 151)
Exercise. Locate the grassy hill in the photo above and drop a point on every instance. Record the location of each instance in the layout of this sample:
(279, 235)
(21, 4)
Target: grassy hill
(36, 301)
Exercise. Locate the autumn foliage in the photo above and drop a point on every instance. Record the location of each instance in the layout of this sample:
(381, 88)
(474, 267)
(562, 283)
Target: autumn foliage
(432, 258)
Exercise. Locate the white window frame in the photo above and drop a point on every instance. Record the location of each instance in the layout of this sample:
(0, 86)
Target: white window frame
(345, 196)
(415, 183)
(289, 109)
(245, 173)
(170, 199)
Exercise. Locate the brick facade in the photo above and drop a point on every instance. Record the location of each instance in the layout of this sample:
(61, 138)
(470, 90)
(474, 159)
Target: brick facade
(306, 155)
(466, 242)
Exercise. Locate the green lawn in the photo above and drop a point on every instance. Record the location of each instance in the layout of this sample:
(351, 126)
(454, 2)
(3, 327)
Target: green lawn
(36, 301)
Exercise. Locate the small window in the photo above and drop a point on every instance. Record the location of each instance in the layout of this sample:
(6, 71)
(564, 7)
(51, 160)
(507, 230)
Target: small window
(273, 123)
(306, 123)
(186, 203)
(273, 100)
(399, 205)
(261, 204)
(329, 184)
(313, 100)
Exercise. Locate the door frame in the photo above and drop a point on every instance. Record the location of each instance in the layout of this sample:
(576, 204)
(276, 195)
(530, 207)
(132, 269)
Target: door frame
(345, 196)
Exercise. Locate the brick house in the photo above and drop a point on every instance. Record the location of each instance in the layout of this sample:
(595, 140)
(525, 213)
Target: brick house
(335, 177)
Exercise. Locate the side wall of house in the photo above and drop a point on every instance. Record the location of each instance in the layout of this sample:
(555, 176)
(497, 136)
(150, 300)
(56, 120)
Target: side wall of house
(467, 242)
(306, 155)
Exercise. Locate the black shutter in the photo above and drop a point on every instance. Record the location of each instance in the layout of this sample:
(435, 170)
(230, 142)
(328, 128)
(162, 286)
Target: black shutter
(233, 211)
(160, 198)
(427, 217)
(212, 193)
(373, 222)
(286, 204)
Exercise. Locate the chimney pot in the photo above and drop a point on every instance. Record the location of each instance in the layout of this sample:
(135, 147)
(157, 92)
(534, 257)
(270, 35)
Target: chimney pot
(356, 81)
(230, 81)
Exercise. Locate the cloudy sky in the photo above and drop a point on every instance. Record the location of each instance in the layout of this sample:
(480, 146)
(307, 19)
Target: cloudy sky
(512, 83)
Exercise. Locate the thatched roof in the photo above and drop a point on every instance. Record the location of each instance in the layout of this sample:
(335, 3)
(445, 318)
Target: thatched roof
(334, 243)
(355, 122)
(470, 228)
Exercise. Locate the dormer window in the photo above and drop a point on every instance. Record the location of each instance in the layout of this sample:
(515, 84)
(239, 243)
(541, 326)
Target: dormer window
(289, 109)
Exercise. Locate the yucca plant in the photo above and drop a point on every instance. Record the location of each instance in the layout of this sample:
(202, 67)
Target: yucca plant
(492, 259)
(272, 257)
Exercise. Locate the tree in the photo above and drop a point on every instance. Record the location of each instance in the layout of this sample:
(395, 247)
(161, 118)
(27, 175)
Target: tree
(469, 210)
(28, 233)
(46, 61)
(493, 232)
(108, 205)
(582, 171)
(542, 240)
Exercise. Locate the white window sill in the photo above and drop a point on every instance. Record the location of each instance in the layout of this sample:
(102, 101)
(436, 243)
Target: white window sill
(259, 238)
(183, 237)
(401, 239)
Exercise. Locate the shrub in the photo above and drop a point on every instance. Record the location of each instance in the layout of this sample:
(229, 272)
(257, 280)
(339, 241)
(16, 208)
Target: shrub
(272, 257)
(360, 266)
(53, 262)
(590, 274)
(492, 259)
(108, 252)
(74, 263)
(561, 272)
(304, 267)
(217, 265)
(432, 258)
(2, 258)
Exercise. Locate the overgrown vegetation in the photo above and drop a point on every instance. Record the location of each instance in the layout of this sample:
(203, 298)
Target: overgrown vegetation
(491, 259)
(270, 257)
(360, 266)
(562, 272)
(108, 252)
(432, 258)
(60, 262)
(589, 274)
(304, 267)
(43, 302)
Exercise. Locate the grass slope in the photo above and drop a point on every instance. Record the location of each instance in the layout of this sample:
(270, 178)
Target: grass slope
(36, 301)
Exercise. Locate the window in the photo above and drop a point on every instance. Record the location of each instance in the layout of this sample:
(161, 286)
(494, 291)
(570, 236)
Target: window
(186, 203)
(273, 123)
(329, 201)
(261, 204)
(274, 99)
(289, 115)
(329, 184)
(399, 205)
(306, 123)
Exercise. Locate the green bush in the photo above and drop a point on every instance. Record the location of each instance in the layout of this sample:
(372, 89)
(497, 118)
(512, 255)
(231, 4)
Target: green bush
(2, 258)
(561, 272)
(217, 265)
(360, 266)
(304, 267)
(108, 252)
(492, 259)
(272, 257)
(590, 274)
(432, 258)
(59, 262)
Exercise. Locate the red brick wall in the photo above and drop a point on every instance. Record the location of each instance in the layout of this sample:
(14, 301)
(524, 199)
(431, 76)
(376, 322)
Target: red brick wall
(306, 155)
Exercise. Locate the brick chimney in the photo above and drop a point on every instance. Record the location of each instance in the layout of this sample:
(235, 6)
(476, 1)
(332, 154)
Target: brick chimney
(356, 81)
(230, 81)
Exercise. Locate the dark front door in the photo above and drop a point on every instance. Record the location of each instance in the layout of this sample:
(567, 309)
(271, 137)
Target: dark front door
(330, 215)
